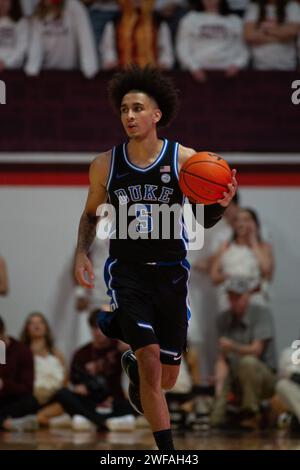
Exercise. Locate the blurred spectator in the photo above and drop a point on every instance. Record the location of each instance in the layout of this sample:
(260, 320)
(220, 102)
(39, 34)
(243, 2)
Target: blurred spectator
(49, 371)
(95, 379)
(16, 378)
(100, 357)
(136, 38)
(247, 256)
(101, 12)
(171, 11)
(13, 35)
(223, 231)
(4, 285)
(271, 29)
(211, 39)
(246, 362)
(288, 387)
(61, 39)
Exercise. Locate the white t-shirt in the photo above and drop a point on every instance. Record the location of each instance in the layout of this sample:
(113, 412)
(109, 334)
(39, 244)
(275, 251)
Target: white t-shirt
(276, 56)
(48, 376)
(13, 42)
(210, 41)
(66, 43)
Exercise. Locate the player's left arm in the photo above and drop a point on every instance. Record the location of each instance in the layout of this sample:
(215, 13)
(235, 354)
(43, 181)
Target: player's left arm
(213, 212)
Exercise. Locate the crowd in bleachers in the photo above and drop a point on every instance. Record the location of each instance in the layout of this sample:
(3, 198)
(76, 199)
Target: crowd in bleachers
(36, 387)
(193, 35)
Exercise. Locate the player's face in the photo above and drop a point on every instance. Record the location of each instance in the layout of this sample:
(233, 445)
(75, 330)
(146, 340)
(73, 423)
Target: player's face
(139, 114)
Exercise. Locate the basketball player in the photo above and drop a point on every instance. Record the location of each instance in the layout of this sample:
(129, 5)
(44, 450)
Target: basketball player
(147, 279)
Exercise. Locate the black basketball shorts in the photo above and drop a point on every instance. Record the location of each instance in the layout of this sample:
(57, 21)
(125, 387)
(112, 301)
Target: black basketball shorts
(149, 306)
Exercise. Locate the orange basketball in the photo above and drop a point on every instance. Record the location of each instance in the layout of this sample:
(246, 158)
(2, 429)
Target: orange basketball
(204, 178)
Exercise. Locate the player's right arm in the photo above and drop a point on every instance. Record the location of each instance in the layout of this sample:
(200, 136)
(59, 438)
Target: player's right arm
(98, 175)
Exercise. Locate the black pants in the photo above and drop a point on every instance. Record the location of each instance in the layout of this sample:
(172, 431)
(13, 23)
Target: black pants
(73, 403)
(18, 407)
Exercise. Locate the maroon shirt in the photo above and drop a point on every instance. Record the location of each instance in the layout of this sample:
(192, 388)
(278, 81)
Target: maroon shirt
(108, 364)
(17, 373)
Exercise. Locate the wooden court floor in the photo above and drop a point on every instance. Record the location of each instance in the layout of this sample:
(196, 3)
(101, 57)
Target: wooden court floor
(56, 439)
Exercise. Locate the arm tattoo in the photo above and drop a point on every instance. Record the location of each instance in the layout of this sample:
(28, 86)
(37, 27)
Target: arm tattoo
(86, 232)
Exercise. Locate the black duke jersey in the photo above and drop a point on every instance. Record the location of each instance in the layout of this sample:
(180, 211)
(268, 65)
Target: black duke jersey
(141, 233)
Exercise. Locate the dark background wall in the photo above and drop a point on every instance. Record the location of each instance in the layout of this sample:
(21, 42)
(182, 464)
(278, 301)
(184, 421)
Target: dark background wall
(62, 111)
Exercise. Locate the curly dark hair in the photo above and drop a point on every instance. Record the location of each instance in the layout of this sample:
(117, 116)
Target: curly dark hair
(148, 80)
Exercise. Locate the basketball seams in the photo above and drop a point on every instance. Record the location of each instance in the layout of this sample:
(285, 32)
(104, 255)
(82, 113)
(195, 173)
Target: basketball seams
(196, 194)
(205, 179)
(188, 164)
